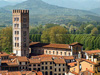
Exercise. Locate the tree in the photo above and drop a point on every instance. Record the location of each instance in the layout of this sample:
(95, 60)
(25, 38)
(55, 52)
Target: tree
(88, 28)
(6, 41)
(55, 34)
(94, 31)
(98, 27)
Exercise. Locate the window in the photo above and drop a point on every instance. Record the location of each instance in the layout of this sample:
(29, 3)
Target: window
(16, 19)
(59, 74)
(57, 52)
(34, 68)
(55, 70)
(59, 69)
(55, 74)
(20, 63)
(59, 64)
(16, 32)
(46, 67)
(50, 62)
(63, 64)
(26, 63)
(24, 39)
(46, 52)
(25, 52)
(65, 53)
(69, 54)
(46, 73)
(61, 53)
(46, 63)
(42, 67)
(38, 69)
(16, 44)
(50, 67)
(38, 64)
(63, 69)
(24, 44)
(24, 33)
(50, 72)
(55, 64)
(49, 52)
(42, 63)
(24, 20)
(16, 25)
(53, 52)
(34, 65)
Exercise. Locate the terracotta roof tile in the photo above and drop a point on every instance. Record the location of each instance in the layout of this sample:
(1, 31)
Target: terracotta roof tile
(93, 51)
(72, 64)
(22, 59)
(14, 73)
(46, 59)
(32, 61)
(3, 54)
(75, 43)
(88, 61)
(5, 61)
(59, 61)
(45, 45)
(12, 64)
(68, 57)
(39, 73)
(75, 73)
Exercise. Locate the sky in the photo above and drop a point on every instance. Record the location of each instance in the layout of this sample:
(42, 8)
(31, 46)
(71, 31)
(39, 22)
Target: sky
(45, 0)
(75, 4)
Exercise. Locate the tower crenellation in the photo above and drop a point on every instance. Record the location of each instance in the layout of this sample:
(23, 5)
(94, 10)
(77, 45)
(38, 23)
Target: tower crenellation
(20, 11)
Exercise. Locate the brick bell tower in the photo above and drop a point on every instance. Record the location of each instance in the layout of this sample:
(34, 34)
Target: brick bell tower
(21, 32)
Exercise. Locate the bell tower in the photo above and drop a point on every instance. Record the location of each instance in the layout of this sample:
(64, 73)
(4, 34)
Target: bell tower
(21, 32)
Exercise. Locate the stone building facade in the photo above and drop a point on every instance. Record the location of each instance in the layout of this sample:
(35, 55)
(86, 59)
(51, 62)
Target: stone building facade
(21, 32)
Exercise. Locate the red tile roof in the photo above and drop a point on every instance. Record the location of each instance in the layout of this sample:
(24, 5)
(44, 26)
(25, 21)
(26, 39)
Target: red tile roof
(12, 64)
(34, 61)
(46, 59)
(22, 59)
(93, 51)
(45, 45)
(74, 73)
(75, 43)
(3, 54)
(59, 61)
(39, 73)
(89, 61)
(68, 57)
(72, 64)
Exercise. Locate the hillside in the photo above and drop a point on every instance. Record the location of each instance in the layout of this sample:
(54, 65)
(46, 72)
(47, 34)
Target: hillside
(96, 10)
(76, 4)
(42, 13)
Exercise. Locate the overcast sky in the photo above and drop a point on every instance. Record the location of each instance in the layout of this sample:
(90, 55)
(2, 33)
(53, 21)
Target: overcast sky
(45, 0)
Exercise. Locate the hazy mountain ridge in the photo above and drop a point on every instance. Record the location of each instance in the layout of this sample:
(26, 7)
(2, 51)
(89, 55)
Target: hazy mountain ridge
(96, 10)
(42, 13)
(76, 4)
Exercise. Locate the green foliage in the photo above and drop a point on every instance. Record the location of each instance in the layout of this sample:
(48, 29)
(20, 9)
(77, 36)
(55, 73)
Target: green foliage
(94, 31)
(54, 34)
(6, 39)
(89, 42)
